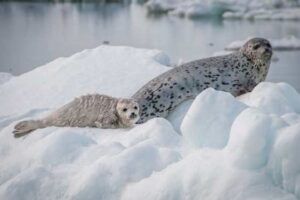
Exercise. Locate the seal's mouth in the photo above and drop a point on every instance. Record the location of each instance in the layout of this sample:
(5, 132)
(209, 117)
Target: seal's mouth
(268, 52)
(133, 116)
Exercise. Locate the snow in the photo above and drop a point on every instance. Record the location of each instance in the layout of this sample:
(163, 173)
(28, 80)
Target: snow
(252, 128)
(81, 74)
(228, 9)
(213, 131)
(271, 98)
(213, 147)
(289, 43)
(4, 77)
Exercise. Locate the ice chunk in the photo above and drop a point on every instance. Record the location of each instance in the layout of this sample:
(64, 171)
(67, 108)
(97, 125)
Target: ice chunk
(31, 184)
(158, 130)
(273, 98)
(291, 118)
(106, 177)
(176, 116)
(251, 153)
(63, 142)
(251, 138)
(282, 44)
(205, 174)
(209, 119)
(265, 14)
(284, 164)
(4, 77)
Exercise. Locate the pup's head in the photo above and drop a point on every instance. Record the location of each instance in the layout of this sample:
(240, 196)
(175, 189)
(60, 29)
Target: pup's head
(128, 111)
(258, 50)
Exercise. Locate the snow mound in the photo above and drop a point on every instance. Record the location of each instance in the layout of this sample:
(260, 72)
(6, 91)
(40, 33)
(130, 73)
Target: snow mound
(213, 147)
(283, 44)
(209, 119)
(284, 164)
(271, 98)
(91, 71)
(252, 134)
(4, 77)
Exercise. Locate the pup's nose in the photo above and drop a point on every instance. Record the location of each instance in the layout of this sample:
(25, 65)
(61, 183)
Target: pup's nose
(133, 115)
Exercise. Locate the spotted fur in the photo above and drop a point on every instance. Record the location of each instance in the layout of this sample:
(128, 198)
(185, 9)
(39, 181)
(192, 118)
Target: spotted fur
(236, 73)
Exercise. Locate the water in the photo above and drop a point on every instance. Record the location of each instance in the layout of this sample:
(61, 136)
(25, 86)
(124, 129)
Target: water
(32, 34)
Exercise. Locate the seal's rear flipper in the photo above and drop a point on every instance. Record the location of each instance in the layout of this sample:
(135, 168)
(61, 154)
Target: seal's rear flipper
(25, 127)
(19, 133)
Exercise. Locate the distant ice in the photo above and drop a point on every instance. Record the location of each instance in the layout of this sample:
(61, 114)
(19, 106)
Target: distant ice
(283, 44)
(232, 9)
(213, 147)
(188, 8)
(265, 14)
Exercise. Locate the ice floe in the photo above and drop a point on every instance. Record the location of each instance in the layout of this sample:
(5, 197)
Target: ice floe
(213, 147)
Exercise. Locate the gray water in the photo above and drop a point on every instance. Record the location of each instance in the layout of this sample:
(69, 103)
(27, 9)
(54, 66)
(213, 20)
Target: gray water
(32, 34)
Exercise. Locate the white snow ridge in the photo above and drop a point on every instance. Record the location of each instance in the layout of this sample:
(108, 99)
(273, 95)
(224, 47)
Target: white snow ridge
(216, 147)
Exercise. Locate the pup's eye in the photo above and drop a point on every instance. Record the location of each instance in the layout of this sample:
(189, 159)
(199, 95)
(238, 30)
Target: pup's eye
(256, 46)
(124, 109)
(135, 107)
(268, 45)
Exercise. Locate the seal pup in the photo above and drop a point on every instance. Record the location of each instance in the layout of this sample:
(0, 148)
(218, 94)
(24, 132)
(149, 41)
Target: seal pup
(237, 73)
(99, 111)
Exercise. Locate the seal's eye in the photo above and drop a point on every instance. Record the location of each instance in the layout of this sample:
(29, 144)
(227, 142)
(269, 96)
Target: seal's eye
(135, 107)
(256, 46)
(124, 109)
(268, 45)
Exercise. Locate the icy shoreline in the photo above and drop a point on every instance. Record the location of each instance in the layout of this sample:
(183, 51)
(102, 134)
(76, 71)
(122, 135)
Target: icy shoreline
(213, 147)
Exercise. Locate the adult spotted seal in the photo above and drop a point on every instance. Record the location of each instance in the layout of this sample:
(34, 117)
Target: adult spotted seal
(99, 111)
(236, 73)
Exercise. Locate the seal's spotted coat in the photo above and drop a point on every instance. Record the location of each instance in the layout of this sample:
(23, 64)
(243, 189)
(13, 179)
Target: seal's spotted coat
(236, 73)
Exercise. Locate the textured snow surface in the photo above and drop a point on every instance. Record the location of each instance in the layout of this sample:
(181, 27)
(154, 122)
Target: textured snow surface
(229, 9)
(91, 71)
(214, 147)
(4, 77)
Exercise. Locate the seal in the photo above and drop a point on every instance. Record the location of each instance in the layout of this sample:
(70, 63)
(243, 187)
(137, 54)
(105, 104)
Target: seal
(99, 111)
(237, 73)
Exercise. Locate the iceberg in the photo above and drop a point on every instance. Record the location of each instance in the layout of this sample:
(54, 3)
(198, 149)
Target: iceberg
(213, 147)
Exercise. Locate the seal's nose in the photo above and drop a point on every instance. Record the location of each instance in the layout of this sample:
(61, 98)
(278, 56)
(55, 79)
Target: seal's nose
(132, 115)
(268, 50)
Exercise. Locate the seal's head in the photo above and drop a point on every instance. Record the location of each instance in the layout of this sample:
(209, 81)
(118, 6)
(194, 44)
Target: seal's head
(128, 111)
(258, 50)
